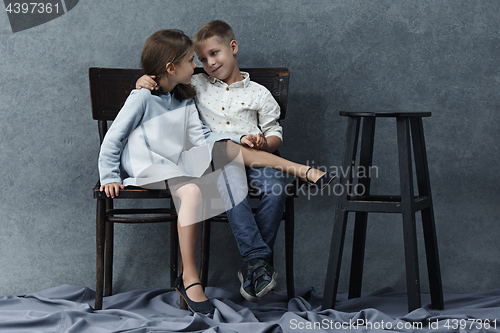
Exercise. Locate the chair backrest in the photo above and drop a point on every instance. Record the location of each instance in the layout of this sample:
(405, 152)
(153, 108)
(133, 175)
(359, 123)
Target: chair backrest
(110, 87)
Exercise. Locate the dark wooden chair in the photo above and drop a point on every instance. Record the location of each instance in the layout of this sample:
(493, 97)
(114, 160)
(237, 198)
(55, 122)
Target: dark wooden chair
(109, 88)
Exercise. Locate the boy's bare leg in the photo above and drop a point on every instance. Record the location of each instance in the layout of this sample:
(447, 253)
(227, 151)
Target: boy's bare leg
(190, 196)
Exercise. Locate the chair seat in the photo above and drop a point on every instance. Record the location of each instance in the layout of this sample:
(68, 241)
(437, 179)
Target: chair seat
(133, 192)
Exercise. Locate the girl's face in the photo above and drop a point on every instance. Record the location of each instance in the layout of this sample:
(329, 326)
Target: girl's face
(185, 69)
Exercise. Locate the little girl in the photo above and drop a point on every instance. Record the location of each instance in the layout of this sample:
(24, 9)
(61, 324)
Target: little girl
(158, 137)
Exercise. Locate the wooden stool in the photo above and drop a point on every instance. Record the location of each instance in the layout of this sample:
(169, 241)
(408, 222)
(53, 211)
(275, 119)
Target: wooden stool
(406, 204)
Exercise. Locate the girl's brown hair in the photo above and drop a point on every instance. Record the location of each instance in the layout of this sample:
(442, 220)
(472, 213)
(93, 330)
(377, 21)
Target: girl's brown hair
(162, 47)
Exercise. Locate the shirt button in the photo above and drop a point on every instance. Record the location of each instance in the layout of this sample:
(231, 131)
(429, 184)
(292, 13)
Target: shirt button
(223, 108)
(227, 88)
(227, 123)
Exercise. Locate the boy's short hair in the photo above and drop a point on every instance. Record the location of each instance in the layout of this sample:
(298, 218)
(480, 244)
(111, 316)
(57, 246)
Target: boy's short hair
(219, 29)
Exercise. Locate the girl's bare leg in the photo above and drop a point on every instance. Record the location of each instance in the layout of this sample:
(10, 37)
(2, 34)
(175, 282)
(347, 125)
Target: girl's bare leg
(190, 196)
(259, 159)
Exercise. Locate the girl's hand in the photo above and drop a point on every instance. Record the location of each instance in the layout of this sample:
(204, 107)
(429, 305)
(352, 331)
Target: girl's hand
(147, 82)
(112, 189)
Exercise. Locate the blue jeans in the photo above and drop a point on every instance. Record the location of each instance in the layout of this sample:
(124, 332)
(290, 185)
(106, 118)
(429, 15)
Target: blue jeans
(255, 235)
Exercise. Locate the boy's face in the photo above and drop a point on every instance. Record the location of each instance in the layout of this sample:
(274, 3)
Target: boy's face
(218, 59)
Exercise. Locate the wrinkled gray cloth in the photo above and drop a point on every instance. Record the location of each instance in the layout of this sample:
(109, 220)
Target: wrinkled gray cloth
(69, 309)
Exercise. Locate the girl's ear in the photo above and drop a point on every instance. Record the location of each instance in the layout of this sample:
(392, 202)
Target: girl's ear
(234, 46)
(170, 68)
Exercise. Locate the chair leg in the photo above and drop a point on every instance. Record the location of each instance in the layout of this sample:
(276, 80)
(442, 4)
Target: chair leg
(177, 259)
(289, 244)
(174, 253)
(182, 303)
(100, 239)
(205, 251)
(108, 263)
(340, 220)
(409, 229)
(428, 223)
(360, 223)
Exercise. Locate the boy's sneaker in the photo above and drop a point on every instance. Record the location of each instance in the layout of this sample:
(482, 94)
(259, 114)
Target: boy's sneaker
(247, 286)
(264, 278)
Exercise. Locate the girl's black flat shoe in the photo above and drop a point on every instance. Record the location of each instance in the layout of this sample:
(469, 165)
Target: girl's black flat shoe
(322, 182)
(204, 307)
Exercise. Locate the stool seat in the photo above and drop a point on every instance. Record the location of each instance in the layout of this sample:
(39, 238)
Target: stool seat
(384, 114)
(409, 133)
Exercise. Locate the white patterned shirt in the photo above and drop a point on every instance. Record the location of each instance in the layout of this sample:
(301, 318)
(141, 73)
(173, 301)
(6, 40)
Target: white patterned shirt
(244, 107)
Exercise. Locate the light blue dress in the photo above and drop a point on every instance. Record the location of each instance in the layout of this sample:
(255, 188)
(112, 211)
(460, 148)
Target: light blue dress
(154, 138)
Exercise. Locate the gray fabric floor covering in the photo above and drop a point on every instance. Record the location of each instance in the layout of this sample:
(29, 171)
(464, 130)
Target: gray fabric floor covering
(70, 309)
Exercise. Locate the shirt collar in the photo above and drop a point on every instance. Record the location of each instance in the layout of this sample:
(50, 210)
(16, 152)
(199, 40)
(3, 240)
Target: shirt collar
(239, 84)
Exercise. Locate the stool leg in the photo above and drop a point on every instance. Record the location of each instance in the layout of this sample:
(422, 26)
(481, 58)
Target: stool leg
(428, 222)
(100, 240)
(289, 238)
(407, 200)
(340, 221)
(431, 251)
(333, 270)
(360, 222)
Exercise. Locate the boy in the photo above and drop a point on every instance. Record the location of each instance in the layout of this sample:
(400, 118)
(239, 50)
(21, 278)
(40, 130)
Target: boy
(228, 102)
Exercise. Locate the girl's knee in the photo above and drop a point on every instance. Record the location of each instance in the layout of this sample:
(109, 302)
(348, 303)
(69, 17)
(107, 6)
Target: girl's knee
(232, 150)
(189, 192)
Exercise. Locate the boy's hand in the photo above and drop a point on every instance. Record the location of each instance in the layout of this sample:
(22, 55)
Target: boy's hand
(112, 189)
(147, 82)
(255, 141)
(260, 141)
(246, 141)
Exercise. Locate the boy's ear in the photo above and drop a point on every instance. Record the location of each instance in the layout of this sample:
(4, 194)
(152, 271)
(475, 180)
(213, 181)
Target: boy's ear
(234, 46)
(170, 68)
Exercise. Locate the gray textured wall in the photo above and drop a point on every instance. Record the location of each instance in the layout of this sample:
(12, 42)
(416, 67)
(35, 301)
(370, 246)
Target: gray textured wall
(439, 56)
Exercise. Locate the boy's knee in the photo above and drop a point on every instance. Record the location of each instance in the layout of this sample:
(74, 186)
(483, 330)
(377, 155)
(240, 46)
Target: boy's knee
(275, 188)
